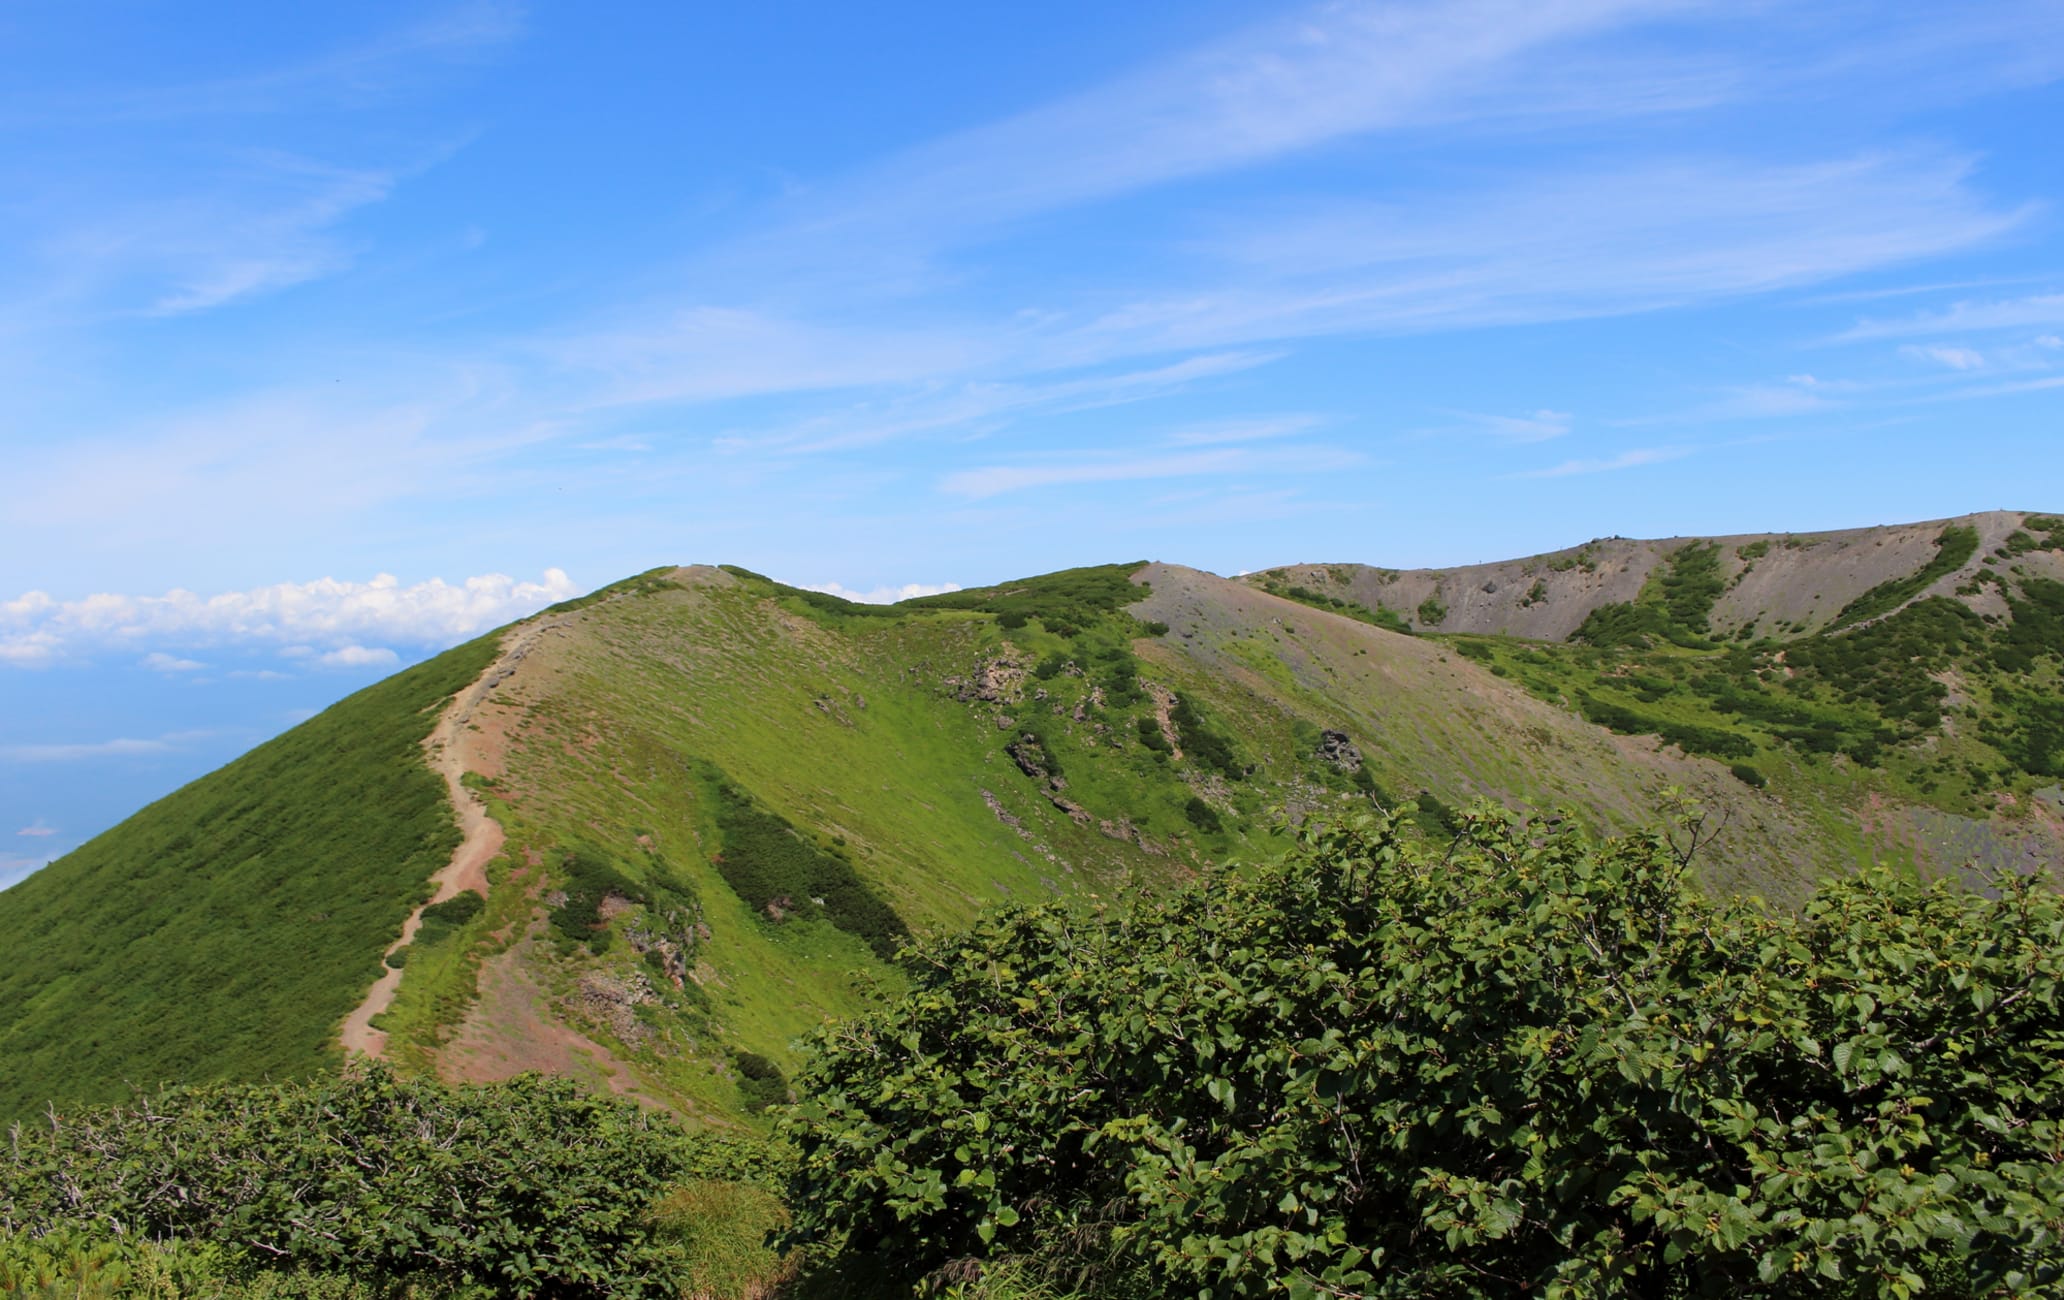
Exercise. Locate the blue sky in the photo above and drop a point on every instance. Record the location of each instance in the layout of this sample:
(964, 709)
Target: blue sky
(327, 339)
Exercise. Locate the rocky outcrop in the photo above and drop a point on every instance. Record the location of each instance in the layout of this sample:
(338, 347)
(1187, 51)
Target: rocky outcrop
(671, 943)
(1337, 748)
(1029, 755)
(612, 999)
(1004, 815)
(1000, 680)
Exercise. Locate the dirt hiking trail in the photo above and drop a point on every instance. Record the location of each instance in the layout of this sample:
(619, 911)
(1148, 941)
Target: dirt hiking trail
(449, 750)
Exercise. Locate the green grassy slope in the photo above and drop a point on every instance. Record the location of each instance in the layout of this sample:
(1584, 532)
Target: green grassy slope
(780, 784)
(726, 802)
(680, 736)
(222, 932)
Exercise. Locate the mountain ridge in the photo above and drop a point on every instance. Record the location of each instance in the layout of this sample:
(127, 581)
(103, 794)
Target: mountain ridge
(721, 801)
(1788, 581)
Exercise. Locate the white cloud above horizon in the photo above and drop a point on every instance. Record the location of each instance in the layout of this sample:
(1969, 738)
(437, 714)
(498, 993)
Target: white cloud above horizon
(887, 594)
(119, 747)
(327, 618)
(17, 867)
(359, 656)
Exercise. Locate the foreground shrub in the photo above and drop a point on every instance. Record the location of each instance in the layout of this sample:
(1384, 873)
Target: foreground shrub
(68, 1265)
(1518, 1063)
(520, 1189)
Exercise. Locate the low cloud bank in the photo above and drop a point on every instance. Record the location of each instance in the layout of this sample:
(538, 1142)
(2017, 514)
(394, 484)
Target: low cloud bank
(883, 595)
(345, 623)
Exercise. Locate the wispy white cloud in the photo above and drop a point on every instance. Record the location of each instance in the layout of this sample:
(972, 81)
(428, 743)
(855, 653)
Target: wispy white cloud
(120, 747)
(272, 463)
(118, 230)
(883, 595)
(712, 353)
(17, 867)
(1586, 244)
(935, 408)
(210, 255)
(37, 629)
(1255, 429)
(1965, 317)
(1634, 459)
(1953, 357)
(100, 750)
(1539, 426)
(353, 75)
(1326, 73)
(160, 662)
(38, 828)
(359, 656)
(995, 480)
(849, 257)
(1800, 395)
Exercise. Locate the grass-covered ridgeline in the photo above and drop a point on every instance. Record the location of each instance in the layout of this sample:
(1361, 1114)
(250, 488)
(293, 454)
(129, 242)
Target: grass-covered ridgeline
(222, 932)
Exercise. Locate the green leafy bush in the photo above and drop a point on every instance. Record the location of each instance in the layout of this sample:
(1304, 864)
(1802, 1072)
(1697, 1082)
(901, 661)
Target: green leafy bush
(589, 881)
(1150, 735)
(441, 919)
(1748, 775)
(1432, 613)
(1065, 602)
(1434, 816)
(1619, 624)
(1690, 583)
(774, 869)
(1523, 1063)
(520, 1189)
(1202, 743)
(1203, 816)
(1387, 619)
(1953, 549)
(1687, 736)
(760, 1081)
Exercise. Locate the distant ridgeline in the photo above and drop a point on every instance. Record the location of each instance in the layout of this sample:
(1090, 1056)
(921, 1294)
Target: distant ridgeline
(726, 805)
(1942, 681)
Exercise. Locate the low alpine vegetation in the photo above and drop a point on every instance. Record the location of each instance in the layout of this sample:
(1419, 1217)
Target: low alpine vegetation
(1521, 1062)
(367, 1185)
